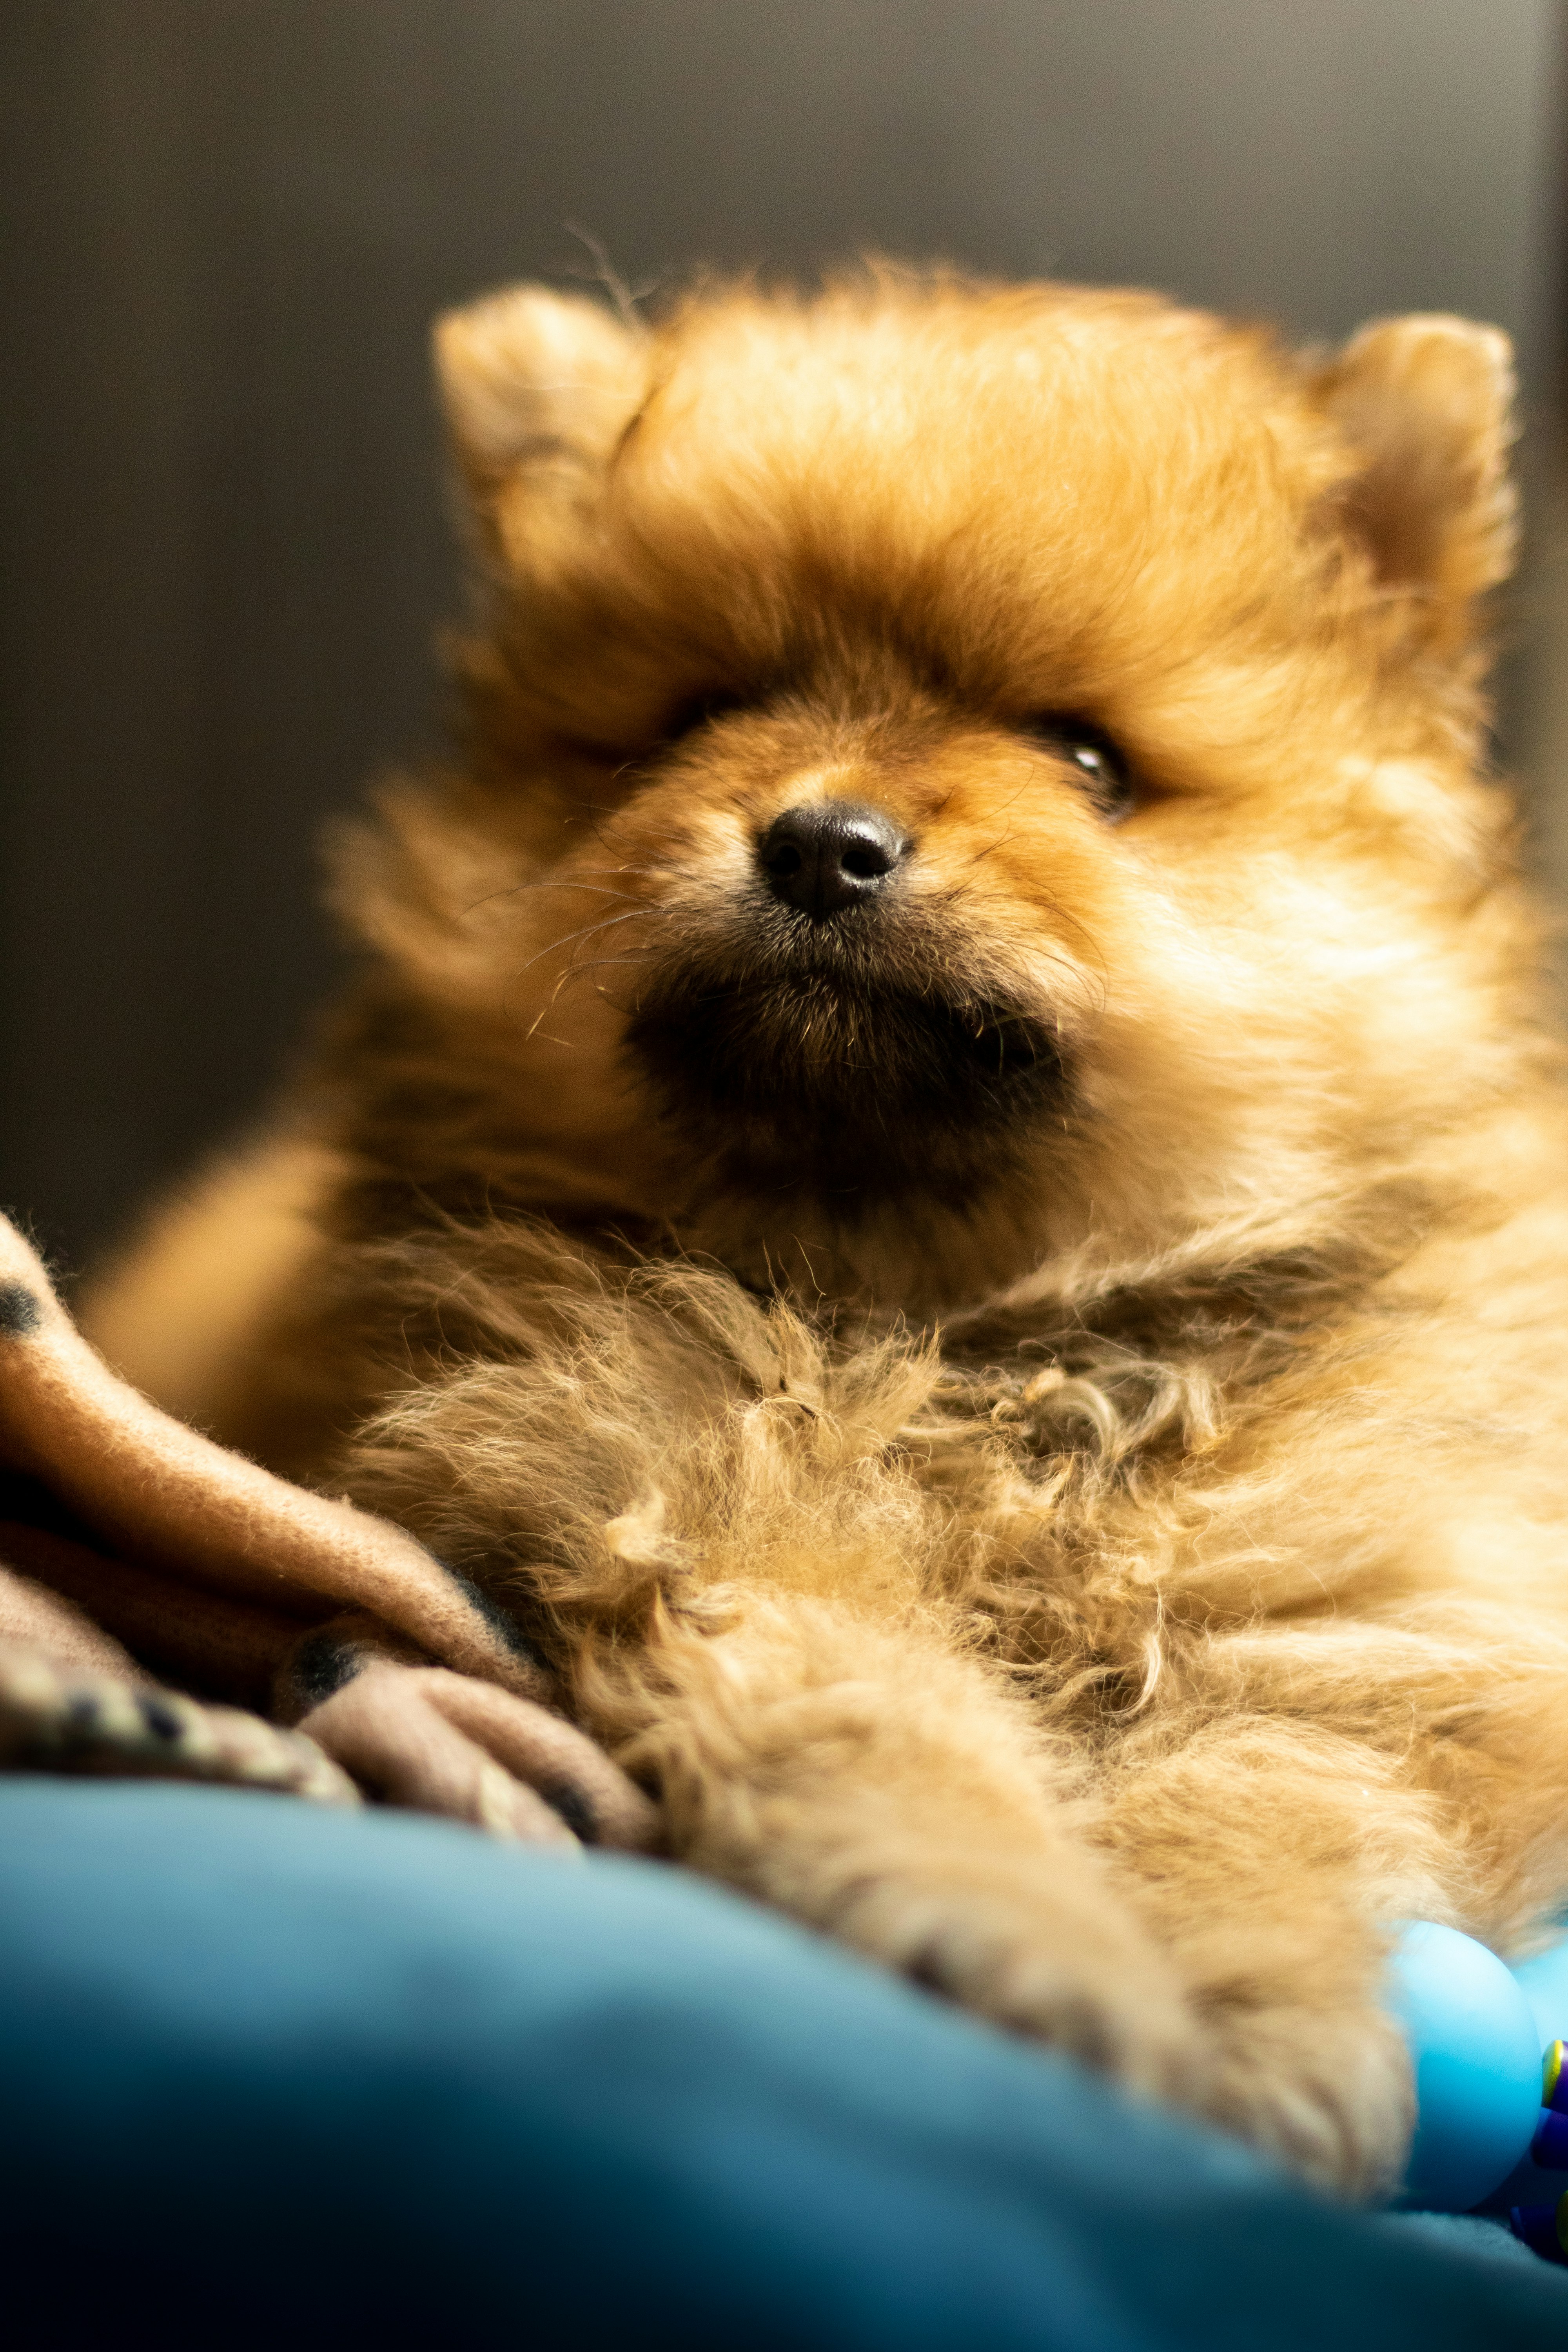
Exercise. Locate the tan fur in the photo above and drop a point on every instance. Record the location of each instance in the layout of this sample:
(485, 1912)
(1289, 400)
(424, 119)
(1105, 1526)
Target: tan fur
(1108, 1558)
(208, 1264)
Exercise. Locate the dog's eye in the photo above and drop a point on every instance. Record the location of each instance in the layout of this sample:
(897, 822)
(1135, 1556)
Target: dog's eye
(1099, 760)
(696, 711)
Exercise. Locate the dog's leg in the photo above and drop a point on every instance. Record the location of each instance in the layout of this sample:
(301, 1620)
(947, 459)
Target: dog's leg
(1305, 1791)
(1273, 1863)
(181, 1312)
(875, 1781)
(715, 1536)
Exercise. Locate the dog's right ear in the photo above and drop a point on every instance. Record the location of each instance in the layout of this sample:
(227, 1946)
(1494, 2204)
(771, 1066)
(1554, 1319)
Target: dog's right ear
(538, 389)
(1425, 405)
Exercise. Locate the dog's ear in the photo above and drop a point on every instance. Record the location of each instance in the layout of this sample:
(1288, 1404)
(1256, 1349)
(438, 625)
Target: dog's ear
(1425, 405)
(538, 389)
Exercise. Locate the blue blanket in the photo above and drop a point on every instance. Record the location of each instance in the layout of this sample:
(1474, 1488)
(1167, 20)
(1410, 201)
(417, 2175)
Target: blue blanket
(276, 2077)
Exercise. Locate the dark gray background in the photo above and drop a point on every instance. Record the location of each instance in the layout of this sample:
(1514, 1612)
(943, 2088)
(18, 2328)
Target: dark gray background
(224, 224)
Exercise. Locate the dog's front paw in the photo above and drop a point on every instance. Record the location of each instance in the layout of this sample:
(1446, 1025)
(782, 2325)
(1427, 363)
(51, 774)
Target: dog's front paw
(1066, 1966)
(1329, 2093)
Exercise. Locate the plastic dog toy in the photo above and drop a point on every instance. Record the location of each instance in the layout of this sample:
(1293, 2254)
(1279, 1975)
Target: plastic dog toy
(1491, 2106)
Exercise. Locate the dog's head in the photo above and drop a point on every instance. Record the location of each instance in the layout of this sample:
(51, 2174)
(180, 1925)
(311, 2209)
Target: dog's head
(963, 775)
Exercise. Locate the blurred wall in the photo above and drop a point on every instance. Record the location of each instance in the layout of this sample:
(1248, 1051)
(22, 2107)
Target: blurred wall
(225, 225)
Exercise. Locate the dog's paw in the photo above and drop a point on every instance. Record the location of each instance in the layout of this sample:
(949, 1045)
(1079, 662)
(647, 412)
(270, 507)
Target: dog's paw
(1329, 2093)
(1066, 1966)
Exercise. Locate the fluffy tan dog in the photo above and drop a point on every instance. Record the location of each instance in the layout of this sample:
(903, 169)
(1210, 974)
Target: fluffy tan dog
(944, 1175)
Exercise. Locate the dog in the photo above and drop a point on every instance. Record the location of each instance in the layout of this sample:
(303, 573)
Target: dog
(945, 1171)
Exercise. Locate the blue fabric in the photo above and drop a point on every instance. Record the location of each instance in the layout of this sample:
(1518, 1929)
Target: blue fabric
(270, 2076)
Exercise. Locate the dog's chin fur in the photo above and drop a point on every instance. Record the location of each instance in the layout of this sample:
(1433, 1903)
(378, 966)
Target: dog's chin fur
(830, 1067)
(1033, 1411)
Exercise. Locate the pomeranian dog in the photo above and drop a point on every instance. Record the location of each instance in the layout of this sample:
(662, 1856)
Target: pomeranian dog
(945, 1175)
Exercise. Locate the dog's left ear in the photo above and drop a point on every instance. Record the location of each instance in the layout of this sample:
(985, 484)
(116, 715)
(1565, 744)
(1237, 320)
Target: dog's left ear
(1425, 403)
(538, 388)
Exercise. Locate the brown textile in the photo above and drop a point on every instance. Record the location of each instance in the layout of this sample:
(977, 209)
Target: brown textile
(136, 1555)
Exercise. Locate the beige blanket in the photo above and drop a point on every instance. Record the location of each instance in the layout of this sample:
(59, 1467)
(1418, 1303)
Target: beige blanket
(169, 1609)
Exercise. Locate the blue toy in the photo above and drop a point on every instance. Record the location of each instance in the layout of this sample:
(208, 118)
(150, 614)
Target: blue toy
(1491, 2109)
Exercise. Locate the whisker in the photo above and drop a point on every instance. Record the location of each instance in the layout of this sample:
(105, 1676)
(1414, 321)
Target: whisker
(588, 931)
(602, 964)
(553, 882)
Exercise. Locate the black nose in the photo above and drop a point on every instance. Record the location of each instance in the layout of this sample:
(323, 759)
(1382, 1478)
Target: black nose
(828, 855)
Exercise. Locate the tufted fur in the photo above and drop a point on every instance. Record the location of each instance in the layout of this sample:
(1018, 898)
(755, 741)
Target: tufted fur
(1032, 1416)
